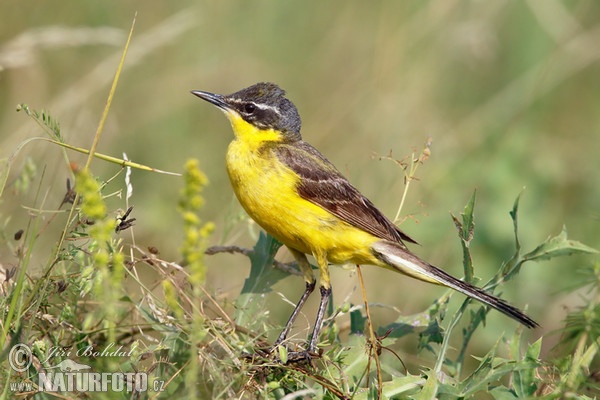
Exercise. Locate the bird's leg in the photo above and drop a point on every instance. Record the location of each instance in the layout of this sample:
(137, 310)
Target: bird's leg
(310, 286)
(325, 290)
(325, 295)
(309, 277)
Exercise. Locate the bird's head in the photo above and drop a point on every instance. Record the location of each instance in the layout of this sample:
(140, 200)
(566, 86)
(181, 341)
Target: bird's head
(259, 112)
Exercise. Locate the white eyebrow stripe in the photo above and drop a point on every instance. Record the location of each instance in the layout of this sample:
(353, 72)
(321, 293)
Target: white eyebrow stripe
(258, 105)
(267, 107)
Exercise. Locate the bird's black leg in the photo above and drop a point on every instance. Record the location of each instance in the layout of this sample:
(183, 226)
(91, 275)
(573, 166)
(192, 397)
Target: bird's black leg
(325, 290)
(310, 280)
(310, 286)
(325, 295)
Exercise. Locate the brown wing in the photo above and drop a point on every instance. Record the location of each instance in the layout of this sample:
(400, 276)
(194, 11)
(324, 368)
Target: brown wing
(322, 184)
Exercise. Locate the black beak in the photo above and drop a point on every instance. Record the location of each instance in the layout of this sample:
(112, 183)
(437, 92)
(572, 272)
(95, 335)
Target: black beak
(216, 99)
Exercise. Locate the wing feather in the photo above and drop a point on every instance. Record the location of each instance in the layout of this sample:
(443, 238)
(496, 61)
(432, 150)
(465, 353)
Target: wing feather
(322, 184)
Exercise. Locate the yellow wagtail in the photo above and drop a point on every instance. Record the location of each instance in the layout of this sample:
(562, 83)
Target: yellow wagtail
(293, 192)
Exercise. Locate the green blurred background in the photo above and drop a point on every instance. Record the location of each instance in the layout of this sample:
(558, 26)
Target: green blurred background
(508, 91)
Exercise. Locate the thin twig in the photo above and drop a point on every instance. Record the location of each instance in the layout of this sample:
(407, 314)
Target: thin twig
(290, 268)
(373, 338)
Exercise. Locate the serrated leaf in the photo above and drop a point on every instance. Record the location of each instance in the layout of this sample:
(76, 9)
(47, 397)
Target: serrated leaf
(398, 329)
(556, 246)
(478, 380)
(534, 349)
(434, 333)
(467, 225)
(406, 324)
(431, 386)
(468, 220)
(494, 374)
(514, 215)
(490, 370)
(524, 381)
(263, 275)
(466, 230)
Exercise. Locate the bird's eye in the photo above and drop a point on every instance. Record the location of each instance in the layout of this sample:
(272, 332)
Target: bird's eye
(249, 108)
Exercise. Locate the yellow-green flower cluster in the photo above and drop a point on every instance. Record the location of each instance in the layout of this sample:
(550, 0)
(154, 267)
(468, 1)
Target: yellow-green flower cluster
(190, 203)
(107, 262)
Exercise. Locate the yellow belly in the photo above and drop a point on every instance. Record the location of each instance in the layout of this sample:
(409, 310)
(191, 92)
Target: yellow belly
(267, 191)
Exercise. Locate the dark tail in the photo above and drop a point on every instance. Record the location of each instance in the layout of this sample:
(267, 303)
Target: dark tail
(402, 260)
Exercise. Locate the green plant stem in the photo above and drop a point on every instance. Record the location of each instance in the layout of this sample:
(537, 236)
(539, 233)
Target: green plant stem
(111, 94)
(446, 342)
(372, 337)
(408, 177)
(114, 160)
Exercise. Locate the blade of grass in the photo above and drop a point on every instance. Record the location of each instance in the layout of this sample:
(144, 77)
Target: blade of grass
(42, 282)
(111, 94)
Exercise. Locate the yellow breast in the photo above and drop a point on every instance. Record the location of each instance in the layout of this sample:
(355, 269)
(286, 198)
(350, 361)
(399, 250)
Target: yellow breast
(266, 188)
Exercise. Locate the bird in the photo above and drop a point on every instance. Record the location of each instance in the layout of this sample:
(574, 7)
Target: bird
(296, 195)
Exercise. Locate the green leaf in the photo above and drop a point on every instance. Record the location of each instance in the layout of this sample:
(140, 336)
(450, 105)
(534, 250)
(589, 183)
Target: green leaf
(512, 266)
(406, 324)
(263, 275)
(434, 333)
(479, 379)
(468, 225)
(430, 388)
(355, 358)
(466, 230)
(502, 393)
(514, 215)
(487, 376)
(283, 354)
(357, 322)
(556, 246)
(402, 386)
(525, 381)
(534, 350)
(44, 119)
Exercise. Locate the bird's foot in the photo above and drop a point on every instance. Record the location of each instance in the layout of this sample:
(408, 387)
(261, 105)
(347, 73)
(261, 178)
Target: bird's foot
(280, 354)
(298, 357)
